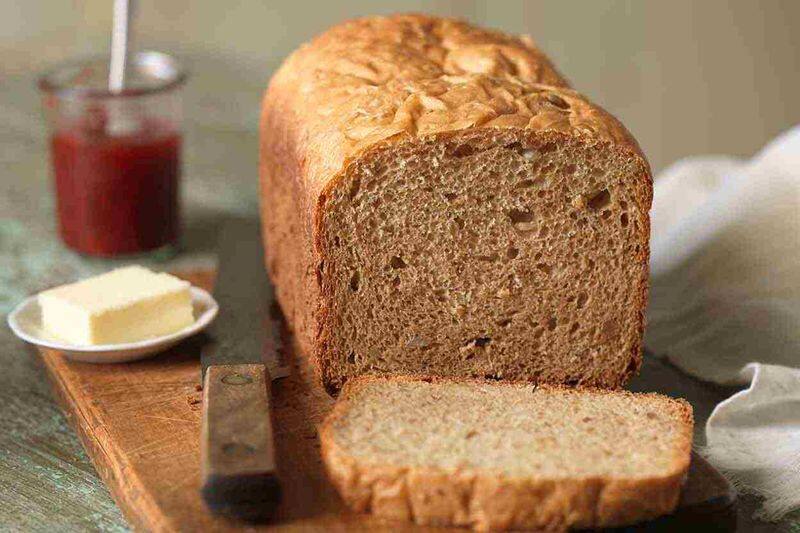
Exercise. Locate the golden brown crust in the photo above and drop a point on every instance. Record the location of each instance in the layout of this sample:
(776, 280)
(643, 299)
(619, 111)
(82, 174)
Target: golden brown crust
(486, 500)
(383, 81)
(379, 78)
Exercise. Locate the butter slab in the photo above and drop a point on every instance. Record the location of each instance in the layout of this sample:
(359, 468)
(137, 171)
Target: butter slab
(125, 305)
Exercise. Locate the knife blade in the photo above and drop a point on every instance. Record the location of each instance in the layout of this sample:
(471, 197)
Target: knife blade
(243, 355)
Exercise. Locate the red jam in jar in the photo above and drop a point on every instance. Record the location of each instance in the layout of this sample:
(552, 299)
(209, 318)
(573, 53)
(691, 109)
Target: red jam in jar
(116, 154)
(117, 193)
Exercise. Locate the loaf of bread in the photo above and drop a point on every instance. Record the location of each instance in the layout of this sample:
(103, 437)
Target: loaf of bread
(498, 456)
(437, 201)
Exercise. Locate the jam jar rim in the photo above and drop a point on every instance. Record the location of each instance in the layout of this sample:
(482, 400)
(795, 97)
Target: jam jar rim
(161, 71)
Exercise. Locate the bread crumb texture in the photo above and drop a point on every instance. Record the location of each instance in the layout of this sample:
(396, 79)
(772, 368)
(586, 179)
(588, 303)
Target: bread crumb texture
(499, 456)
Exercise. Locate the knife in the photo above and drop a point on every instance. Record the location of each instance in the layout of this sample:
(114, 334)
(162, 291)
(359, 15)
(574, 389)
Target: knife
(243, 355)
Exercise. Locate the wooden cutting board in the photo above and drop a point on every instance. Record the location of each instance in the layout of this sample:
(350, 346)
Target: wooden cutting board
(140, 424)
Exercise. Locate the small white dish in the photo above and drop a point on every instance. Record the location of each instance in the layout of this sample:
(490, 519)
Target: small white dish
(26, 323)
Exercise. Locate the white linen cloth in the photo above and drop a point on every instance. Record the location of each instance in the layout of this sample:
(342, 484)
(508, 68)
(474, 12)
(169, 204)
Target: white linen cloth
(762, 457)
(725, 306)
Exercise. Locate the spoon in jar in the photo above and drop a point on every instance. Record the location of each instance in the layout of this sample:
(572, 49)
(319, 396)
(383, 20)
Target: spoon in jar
(119, 120)
(119, 44)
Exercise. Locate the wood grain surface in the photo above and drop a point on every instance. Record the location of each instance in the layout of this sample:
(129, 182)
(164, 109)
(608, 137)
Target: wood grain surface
(140, 423)
(234, 422)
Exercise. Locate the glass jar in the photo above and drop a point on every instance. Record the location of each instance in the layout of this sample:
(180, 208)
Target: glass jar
(116, 156)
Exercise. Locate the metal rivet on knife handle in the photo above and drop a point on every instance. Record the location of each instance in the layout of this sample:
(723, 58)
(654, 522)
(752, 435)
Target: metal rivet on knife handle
(236, 379)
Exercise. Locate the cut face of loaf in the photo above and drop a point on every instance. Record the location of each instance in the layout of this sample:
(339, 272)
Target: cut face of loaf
(431, 208)
(502, 254)
(506, 456)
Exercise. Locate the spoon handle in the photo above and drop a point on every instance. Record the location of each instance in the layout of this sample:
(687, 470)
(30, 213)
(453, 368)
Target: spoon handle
(123, 13)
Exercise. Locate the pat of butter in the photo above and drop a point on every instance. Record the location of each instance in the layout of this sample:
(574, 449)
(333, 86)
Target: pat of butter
(125, 305)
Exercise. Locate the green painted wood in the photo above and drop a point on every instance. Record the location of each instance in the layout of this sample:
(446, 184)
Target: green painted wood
(46, 481)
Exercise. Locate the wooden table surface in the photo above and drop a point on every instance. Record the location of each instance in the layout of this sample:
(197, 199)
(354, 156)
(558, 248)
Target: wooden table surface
(46, 480)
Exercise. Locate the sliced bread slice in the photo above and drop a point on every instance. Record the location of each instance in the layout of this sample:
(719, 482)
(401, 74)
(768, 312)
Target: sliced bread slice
(501, 455)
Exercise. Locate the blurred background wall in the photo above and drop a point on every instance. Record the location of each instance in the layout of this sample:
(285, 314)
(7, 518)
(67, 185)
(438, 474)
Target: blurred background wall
(687, 77)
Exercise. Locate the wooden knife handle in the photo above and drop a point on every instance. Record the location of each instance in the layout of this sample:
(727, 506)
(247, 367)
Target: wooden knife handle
(236, 448)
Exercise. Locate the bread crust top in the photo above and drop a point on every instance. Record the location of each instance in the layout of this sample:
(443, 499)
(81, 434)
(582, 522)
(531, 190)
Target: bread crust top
(391, 79)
